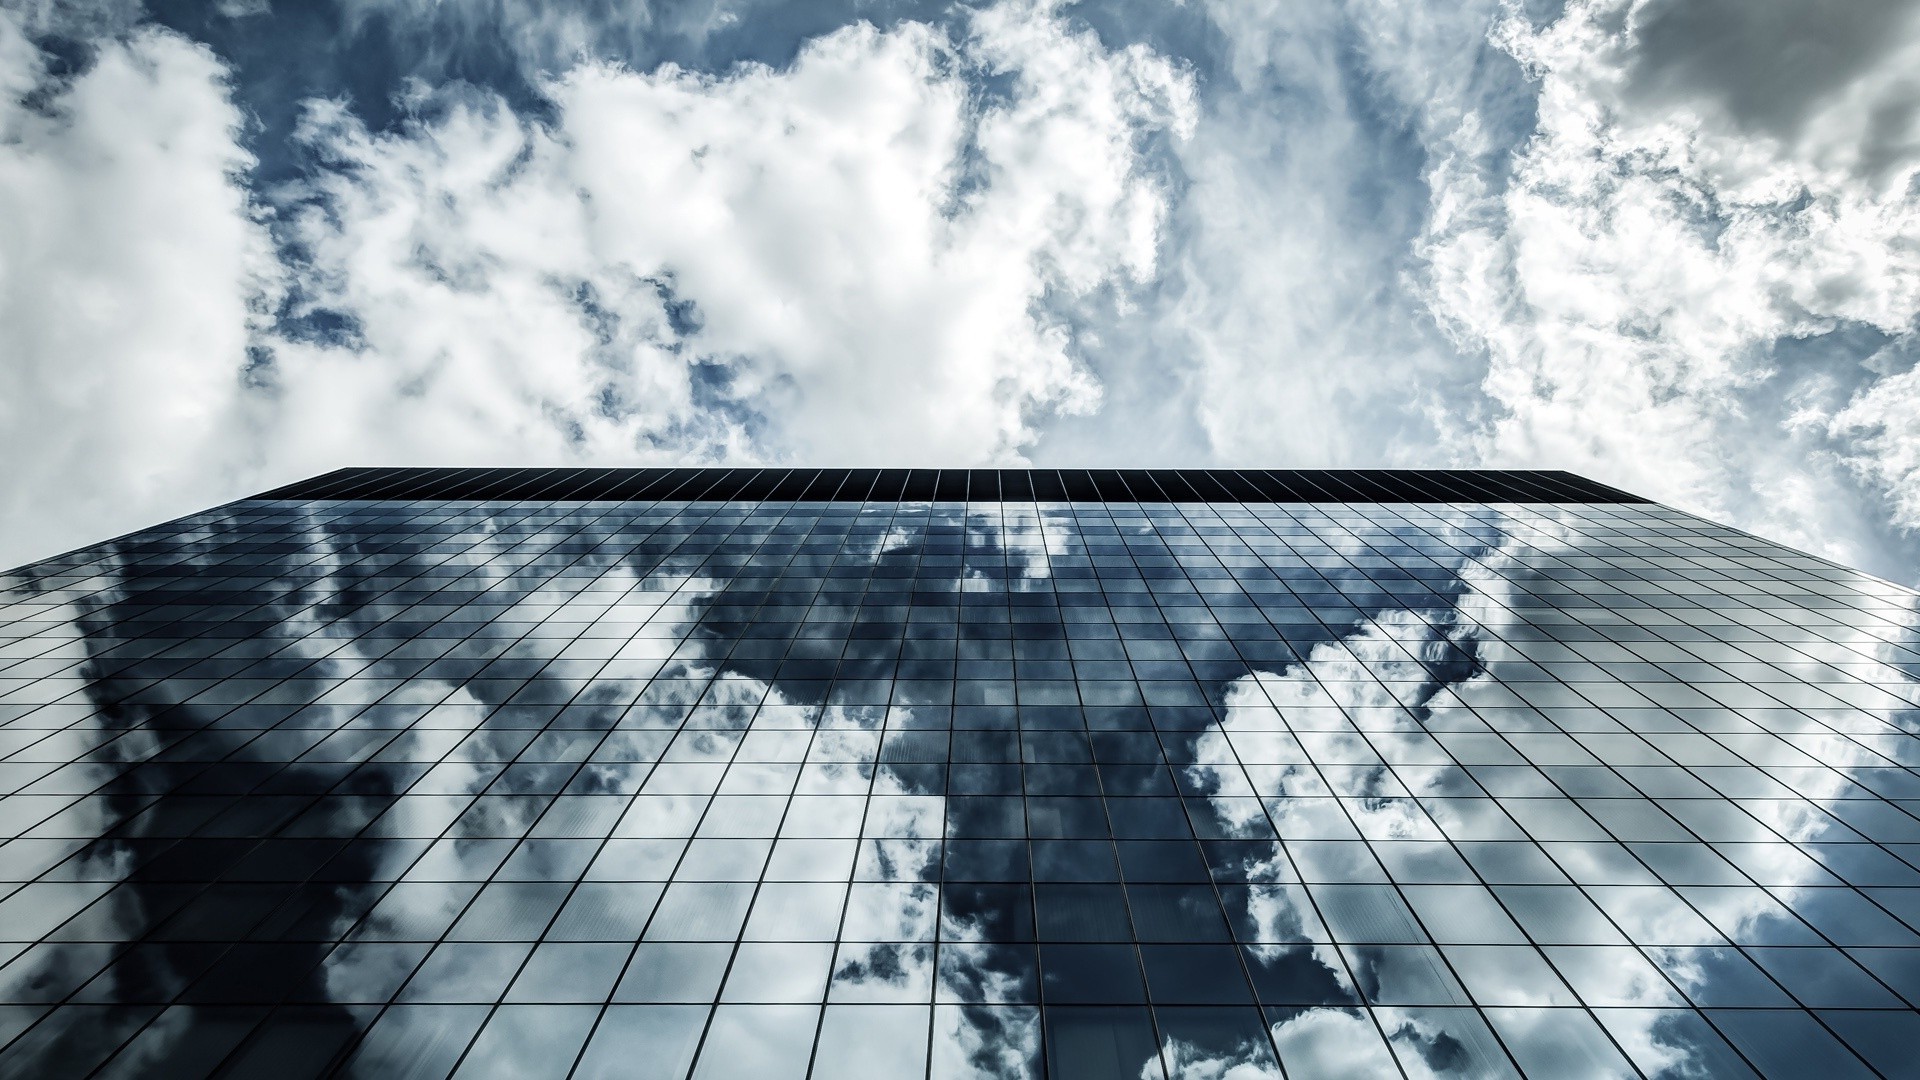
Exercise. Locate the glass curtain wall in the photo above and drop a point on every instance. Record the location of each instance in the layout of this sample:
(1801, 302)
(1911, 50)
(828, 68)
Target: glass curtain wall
(1072, 789)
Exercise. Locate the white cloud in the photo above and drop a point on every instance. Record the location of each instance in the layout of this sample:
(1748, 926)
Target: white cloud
(1881, 429)
(866, 246)
(1648, 240)
(131, 268)
(1334, 1043)
(1631, 284)
(1403, 234)
(856, 257)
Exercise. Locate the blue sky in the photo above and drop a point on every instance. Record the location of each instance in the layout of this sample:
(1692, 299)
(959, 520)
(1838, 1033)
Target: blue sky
(1669, 244)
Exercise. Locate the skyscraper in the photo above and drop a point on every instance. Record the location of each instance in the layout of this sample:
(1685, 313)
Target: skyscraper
(956, 774)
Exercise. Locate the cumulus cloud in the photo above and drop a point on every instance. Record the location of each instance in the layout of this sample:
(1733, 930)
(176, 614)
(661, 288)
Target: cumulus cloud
(1662, 242)
(1880, 427)
(839, 259)
(1328, 234)
(851, 257)
(133, 272)
(1640, 278)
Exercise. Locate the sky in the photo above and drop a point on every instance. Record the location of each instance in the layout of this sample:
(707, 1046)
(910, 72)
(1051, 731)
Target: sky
(1673, 245)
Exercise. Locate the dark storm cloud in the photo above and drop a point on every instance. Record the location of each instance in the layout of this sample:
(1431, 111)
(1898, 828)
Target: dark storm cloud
(1771, 64)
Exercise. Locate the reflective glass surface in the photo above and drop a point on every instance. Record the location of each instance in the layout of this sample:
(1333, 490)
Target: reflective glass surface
(768, 789)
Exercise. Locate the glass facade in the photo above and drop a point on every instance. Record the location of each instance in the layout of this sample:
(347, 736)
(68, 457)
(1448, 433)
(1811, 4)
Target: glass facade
(1495, 777)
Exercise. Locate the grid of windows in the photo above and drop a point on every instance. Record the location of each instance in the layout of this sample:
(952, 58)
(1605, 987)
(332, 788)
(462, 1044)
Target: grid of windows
(722, 789)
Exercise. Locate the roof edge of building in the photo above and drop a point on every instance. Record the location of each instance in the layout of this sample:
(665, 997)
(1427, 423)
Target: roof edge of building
(953, 485)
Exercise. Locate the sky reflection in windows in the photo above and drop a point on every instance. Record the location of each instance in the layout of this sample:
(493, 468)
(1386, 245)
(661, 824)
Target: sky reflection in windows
(955, 790)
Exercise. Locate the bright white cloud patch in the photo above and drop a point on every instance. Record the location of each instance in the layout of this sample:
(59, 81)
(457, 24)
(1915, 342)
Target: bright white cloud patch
(1667, 243)
(131, 270)
(1637, 284)
(848, 259)
(861, 244)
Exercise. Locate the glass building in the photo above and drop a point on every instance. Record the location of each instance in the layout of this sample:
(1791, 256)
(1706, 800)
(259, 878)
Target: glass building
(725, 774)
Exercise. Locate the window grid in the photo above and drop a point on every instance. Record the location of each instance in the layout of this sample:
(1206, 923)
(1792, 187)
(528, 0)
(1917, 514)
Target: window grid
(238, 752)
